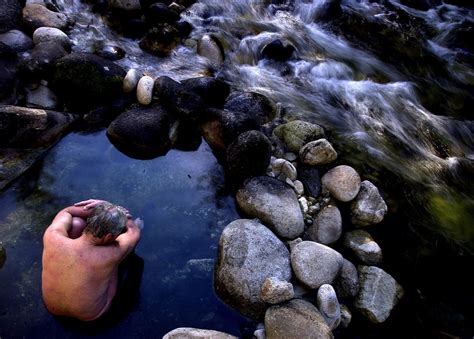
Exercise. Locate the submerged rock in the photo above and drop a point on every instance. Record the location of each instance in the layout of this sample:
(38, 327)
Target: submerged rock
(315, 264)
(211, 48)
(249, 253)
(273, 202)
(295, 319)
(368, 208)
(141, 133)
(276, 50)
(159, 13)
(378, 295)
(196, 333)
(295, 134)
(343, 182)
(248, 156)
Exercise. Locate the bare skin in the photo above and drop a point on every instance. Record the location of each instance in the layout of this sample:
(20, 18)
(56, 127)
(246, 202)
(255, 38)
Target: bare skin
(80, 271)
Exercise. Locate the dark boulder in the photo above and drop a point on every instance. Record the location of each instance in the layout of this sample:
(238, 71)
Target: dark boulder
(86, 81)
(178, 98)
(8, 74)
(213, 91)
(328, 10)
(135, 28)
(277, 51)
(311, 180)
(188, 136)
(221, 127)
(248, 156)
(253, 104)
(161, 40)
(10, 13)
(184, 28)
(141, 133)
(41, 62)
(159, 13)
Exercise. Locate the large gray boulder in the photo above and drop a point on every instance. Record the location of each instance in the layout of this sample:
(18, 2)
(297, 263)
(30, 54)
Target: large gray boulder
(363, 246)
(295, 134)
(343, 182)
(36, 16)
(196, 333)
(249, 253)
(378, 295)
(368, 208)
(327, 226)
(142, 133)
(295, 319)
(315, 264)
(10, 13)
(275, 203)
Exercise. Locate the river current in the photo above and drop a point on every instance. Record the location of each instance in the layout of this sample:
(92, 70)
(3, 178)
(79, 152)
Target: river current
(375, 108)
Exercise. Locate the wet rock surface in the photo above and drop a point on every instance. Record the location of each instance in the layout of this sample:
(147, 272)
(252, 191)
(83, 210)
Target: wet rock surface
(16, 40)
(253, 104)
(363, 246)
(378, 295)
(295, 319)
(273, 202)
(295, 134)
(328, 305)
(368, 208)
(36, 16)
(249, 253)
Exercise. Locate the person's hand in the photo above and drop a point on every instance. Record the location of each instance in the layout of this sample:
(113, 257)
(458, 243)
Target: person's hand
(89, 204)
(139, 222)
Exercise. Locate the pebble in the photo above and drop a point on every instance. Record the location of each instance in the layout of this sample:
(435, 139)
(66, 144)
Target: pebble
(145, 90)
(131, 80)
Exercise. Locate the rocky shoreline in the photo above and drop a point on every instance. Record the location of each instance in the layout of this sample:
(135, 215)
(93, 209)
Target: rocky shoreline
(295, 263)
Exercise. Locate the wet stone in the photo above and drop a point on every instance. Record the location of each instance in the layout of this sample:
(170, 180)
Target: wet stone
(36, 16)
(328, 305)
(145, 90)
(378, 295)
(343, 182)
(275, 291)
(196, 333)
(363, 246)
(41, 97)
(45, 34)
(131, 80)
(211, 48)
(327, 227)
(318, 152)
(295, 134)
(368, 208)
(315, 264)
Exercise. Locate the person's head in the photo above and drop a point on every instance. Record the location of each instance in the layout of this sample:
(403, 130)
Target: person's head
(106, 221)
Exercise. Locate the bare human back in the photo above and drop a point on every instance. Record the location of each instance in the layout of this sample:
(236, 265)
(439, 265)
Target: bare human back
(83, 248)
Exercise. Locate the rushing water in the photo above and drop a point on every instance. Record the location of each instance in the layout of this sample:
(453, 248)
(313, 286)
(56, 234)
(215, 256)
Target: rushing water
(374, 110)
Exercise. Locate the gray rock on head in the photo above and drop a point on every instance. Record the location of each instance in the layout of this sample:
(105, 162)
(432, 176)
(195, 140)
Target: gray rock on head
(106, 218)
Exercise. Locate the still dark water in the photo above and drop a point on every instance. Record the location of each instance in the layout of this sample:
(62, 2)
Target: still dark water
(179, 196)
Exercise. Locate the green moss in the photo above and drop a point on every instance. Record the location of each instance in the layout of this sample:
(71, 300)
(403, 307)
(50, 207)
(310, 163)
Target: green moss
(454, 213)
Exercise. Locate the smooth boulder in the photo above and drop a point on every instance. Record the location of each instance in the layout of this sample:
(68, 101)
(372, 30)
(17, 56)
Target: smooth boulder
(213, 91)
(249, 253)
(273, 202)
(343, 182)
(44, 34)
(248, 156)
(141, 133)
(85, 81)
(327, 226)
(296, 318)
(297, 133)
(315, 264)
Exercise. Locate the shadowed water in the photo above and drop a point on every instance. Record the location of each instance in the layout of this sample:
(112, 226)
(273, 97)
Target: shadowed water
(183, 203)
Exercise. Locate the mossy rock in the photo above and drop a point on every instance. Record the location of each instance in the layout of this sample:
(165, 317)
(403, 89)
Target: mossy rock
(85, 81)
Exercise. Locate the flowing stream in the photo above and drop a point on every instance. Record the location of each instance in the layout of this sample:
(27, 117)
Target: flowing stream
(376, 111)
